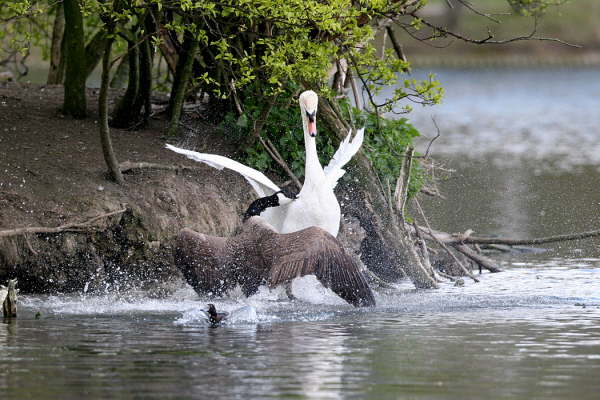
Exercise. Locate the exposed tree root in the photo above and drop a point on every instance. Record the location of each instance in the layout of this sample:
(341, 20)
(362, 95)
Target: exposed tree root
(70, 227)
(129, 166)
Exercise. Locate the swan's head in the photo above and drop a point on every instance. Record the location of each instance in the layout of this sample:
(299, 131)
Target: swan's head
(308, 105)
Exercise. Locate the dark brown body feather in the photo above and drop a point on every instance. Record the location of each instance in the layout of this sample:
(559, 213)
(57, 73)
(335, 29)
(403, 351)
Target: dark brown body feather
(259, 255)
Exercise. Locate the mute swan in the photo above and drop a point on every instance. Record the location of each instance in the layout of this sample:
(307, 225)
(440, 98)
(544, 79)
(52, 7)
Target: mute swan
(316, 204)
(259, 255)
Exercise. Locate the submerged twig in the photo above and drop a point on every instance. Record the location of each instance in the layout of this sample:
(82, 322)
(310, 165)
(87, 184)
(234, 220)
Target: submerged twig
(481, 260)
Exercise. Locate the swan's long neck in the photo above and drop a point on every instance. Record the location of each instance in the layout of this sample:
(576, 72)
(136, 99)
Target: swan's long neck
(313, 171)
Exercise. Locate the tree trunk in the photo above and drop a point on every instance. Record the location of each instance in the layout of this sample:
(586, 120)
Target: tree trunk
(74, 100)
(168, 50)
(94, 50)
(119, 79)
(145, 85)
(123, 115)
(62, 65)
(182, 76)
(55, 74)
(107, 148)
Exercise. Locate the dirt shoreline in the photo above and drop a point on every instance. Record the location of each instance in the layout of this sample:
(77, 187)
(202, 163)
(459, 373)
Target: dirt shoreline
(52, 172)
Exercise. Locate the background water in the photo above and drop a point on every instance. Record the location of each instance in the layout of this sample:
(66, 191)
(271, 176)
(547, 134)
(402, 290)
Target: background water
(523, 144)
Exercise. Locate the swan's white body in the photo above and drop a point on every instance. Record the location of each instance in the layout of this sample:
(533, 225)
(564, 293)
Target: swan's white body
(316, 204)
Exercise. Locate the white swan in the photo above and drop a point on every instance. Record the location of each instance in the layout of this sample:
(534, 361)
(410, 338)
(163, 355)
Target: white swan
(316, 204)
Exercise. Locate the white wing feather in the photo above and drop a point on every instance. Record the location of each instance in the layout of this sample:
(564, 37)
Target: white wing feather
(262, 185)
(347, 150)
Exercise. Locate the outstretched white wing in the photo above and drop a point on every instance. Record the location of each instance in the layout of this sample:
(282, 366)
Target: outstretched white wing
(262, 185)
(347, 150)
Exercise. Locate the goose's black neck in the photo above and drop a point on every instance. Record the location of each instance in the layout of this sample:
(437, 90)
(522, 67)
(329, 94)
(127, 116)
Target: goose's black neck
(260, 205)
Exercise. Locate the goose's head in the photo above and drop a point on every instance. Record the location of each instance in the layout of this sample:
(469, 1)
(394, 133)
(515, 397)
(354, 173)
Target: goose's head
(308, 106)
(212, 310)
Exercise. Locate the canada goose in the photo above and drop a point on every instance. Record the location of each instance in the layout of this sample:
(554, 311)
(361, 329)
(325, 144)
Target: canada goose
(258, 255)
(316, 204)
(215, 317)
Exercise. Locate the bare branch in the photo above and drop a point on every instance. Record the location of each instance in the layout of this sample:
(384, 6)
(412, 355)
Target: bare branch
(488, 39)
(443, 246)
(470, 6)
(432, 140)
(272, 150)
(525, 242)
(396, 44)
(482, 261)
(401, 190)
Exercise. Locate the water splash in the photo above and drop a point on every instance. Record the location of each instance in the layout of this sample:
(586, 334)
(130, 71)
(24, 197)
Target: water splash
(525, 283)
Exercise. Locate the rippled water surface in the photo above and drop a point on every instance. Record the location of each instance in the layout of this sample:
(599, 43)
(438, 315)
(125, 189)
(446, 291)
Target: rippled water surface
(531, 332)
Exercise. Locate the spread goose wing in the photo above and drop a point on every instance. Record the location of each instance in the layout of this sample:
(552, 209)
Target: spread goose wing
(262, 185)
(314, 251)
(347, 150)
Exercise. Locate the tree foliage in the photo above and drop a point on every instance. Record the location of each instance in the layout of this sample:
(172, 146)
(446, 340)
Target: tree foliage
(250, 54)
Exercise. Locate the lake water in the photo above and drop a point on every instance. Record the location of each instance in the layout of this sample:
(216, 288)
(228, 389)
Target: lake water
(525, 150)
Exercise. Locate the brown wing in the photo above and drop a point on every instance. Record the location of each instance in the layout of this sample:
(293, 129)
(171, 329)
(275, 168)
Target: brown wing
(315, 251)
(199, 257)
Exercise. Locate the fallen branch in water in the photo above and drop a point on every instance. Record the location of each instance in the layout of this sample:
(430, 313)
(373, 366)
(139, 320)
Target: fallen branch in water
(460, 242)
(521, 242)
(460, 246)
(70, 227)
(424, 252)
(466, 238)
(481, 260)
(442, 245)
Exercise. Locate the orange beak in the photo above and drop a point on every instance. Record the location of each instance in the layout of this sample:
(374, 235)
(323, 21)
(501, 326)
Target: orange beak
(312, 128)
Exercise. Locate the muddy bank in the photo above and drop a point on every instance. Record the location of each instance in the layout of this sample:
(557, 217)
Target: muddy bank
(52, 173)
